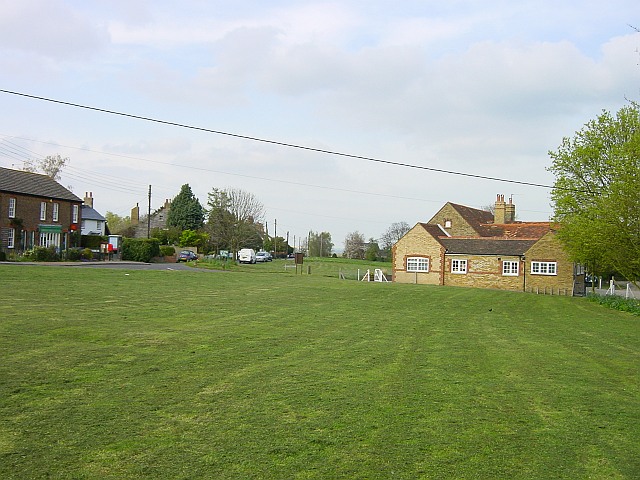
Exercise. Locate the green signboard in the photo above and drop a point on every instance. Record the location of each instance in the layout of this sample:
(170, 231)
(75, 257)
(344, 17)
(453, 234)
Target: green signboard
(50, 228)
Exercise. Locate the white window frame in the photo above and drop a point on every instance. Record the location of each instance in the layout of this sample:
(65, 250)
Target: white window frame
(458, 266)
(418, 264)
(74, 214)
(510, 268)
(544, 268)
(448, 224)
(56, 212)
(11, 238)
(12, 207)
(43, 211)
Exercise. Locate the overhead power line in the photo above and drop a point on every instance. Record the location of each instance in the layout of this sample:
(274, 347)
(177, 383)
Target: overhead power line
(283, 144)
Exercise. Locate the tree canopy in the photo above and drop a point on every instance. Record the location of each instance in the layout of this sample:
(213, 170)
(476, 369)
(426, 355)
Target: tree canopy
(319, 244)
(596, 193)
(234, 217)
(186, 212)
(354, 245)
(51, 165)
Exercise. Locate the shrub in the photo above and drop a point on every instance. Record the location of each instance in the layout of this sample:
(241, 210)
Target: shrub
(617, 303)
(43, 254)
(167, 250)
(93, 241)
(3, 257)
(73, 254)
(86, 254)
(140, 249)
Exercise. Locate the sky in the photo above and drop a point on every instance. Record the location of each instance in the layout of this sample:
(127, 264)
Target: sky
(486, 89)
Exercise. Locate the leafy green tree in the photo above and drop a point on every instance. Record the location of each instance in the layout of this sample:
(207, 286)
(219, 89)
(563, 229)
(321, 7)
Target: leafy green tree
(191, 238)
(373, 250)
(167, 236)
(186, 212)
(233, 220)
(319, 244)
(596, 194)
(277, 245)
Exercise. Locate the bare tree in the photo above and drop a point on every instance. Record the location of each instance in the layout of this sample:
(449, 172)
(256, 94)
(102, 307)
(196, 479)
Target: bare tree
(244, 206)
(234, 218)
(51, 165)
(394, 233)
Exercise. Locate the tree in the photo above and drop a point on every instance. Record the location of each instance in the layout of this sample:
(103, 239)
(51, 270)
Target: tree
(394, 233)
(234, 219)
(277, 245)
(51, 165)
(186, 212)
(354, 245)
(319, 244)
(191, 238)
(596, 193)
(373, 250)
(119, 225)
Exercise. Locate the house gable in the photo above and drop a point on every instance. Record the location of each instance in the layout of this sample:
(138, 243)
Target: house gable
(420, 242)
(459, 220)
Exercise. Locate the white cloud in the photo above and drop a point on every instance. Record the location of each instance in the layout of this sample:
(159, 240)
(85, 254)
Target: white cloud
(50, 28)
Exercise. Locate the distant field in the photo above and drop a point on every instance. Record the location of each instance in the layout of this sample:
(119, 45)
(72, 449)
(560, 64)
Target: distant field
(115, 374)
(326, 267)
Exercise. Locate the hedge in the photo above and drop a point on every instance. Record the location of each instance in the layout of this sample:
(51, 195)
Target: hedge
(140, 249)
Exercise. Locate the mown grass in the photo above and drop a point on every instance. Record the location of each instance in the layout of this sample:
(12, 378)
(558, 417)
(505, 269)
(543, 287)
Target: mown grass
(343, 268)
(167, 374)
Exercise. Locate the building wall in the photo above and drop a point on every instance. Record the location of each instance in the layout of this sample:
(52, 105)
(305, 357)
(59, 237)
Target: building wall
(549, 249)
(459, 226)
(417, 243)
(484, 271)
(28, 210)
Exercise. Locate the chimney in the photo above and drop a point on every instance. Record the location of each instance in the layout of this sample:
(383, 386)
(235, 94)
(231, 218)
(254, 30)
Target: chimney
(499, 215)
(504, 212)
(88, 199)
(135, 215)
(510, 211)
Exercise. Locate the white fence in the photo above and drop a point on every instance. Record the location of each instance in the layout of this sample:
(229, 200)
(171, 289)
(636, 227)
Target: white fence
(616, 287)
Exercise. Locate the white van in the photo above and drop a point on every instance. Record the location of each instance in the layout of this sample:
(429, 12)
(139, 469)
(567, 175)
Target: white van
(247, 255)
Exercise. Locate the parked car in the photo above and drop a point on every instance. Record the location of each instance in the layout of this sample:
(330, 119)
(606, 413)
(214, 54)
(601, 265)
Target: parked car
(247, 255)
(186, 256)
(263, 257)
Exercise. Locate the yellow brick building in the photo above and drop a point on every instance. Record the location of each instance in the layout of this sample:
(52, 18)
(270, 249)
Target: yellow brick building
(463, 246)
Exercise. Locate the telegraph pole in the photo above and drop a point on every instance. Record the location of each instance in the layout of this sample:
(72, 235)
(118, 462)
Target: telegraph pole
(149, 215)
(275, 237)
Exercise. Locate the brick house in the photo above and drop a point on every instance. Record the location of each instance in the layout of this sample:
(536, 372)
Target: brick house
(35, 210)
(464, 246)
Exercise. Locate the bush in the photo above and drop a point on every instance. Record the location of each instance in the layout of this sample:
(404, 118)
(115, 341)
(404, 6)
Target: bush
(3, 257)
(140, 249)
(93, 241)
(74, 254)
(43, 254)
(167, 250)
(86, 254)
(617, 303)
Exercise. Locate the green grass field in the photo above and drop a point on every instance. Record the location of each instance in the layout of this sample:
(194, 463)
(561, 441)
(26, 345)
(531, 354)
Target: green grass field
(111, 374)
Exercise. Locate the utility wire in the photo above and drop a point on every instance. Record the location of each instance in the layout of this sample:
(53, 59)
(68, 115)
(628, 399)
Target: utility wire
(283, 144)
